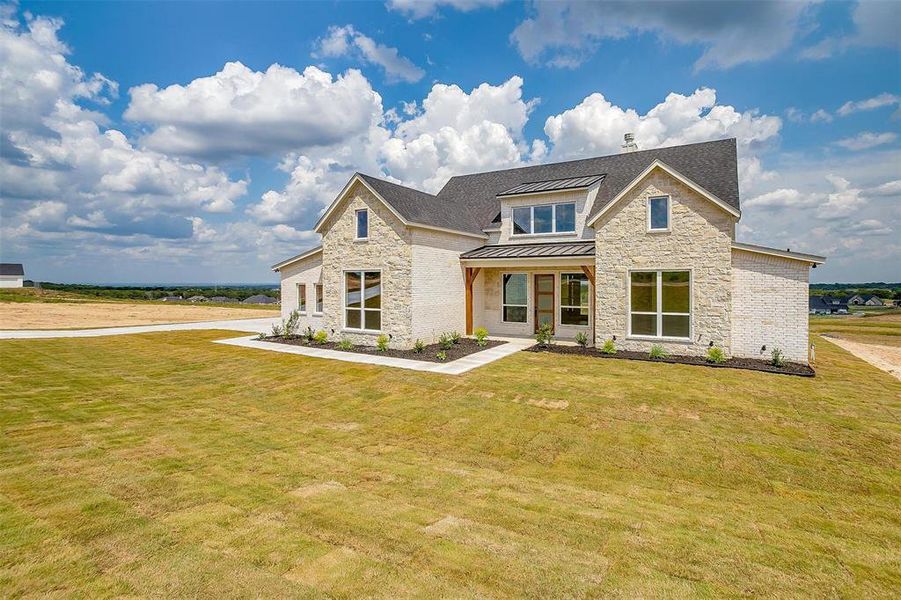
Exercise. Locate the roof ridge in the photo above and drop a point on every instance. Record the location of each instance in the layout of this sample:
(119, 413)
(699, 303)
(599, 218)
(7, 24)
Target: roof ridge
(406, 187)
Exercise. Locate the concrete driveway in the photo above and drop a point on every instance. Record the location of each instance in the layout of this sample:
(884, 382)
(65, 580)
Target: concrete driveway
(245, 325)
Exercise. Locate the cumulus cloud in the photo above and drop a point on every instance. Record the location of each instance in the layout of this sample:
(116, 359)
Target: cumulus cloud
(867, 139)
(420, 9)
(347, 41)
(875, 24)
(565, 33)
(239, 111)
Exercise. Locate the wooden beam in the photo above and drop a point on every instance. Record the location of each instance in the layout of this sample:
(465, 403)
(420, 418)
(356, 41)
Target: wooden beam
(589, 273)
(471, 274)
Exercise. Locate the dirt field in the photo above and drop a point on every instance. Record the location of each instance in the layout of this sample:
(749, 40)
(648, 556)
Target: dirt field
(887, 358)
(40, 315)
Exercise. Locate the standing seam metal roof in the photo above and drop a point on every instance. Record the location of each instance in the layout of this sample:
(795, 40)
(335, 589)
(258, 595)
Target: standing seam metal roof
(541, 250)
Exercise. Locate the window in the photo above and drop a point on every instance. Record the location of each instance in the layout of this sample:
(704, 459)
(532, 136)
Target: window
(318, 289)
(660, 304)
(544, 219)
(362, 216)
(658, 213)
(574, 299)
(301, 297)
(363, 300)
(516, 294)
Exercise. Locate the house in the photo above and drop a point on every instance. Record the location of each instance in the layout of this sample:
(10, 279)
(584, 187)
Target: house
(224, 300)
(197, 299)
(827, 305)
(172, 298)
(638, 246)
(12, 275)
(856, 300)
(259, 299)
(873, 301)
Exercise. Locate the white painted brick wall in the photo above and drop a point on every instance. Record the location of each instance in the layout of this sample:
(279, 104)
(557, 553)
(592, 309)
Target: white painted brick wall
(308, 272)
(770, 300)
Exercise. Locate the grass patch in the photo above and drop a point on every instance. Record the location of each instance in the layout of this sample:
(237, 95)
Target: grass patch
(163, 464)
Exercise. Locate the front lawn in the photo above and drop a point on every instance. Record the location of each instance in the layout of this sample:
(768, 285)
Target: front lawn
(163, 464)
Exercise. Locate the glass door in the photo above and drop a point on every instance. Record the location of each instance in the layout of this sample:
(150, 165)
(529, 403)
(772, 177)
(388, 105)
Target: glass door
(544, 301)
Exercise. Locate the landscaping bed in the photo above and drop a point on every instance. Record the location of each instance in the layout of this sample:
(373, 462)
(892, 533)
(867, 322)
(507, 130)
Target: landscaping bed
(463, 347)
(789, 368)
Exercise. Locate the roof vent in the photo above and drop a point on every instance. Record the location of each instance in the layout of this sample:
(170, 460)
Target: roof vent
(629, 144)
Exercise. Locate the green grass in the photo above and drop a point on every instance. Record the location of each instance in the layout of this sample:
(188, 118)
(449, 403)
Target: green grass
(163, 464)
(56, 296)
(882, 327)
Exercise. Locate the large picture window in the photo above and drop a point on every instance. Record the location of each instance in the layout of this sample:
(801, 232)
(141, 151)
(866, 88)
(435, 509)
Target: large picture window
(516, 294)
(544, 219)
(301, 298)
(660, 304)
(363, 300)
(574, 299)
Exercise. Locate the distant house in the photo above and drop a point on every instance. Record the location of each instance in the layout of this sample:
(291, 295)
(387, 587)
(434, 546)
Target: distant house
(223, 300)
(874, 301)
(197, 299)
(172, 298)
(857, 300)
(12, 275)
(827, 305)
(260, 299)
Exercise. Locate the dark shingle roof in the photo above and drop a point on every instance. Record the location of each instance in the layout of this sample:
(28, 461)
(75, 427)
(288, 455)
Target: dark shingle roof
(469, 202)
(564, 249)
(11, 269)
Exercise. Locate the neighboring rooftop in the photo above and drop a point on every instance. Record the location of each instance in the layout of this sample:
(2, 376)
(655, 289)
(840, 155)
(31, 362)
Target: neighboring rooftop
(12, 269)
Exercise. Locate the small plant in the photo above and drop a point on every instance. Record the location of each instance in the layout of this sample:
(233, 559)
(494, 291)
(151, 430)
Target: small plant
(481, 336)
(715, 355)
(455, 336)
(418, 346)
(309, 335)
(445, 341)
(262, 335)
(582, 339)
(609, 347)
(442, 355)
(320, 337)
(658, 351)
(345, 344)
(381, 343)
(277, 330)
(289, 325)
(545, 335)
(777, 359)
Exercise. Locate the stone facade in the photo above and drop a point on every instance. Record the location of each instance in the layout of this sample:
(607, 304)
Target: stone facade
(388, 249)
(769, 299)
(308, 272)
(699, 240)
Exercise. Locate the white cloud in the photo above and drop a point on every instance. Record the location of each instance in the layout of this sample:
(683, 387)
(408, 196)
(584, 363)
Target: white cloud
(820, 116)
(565, 33)
(779, 198)
(884, 99)
(420, 9)
(344, 41)
(875, 25)
(867, 139)
(869, 227)
(239, 111)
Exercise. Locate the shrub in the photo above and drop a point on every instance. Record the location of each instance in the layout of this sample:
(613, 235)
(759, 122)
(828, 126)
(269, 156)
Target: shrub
(289, 325)
(716, 355)
(658, 351)
(545, 335)
(381, 343)
(609, 347)
(345, 344)
(320, 337)
(262, 335)
(481, 336)
(442, 355)
(445, 341)
(455, 337)
(777, 359)
(276, 330)
(582, 339)
(418, 346)
(308, 334)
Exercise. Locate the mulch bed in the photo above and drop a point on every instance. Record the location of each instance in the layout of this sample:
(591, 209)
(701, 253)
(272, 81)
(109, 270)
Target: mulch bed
(789, 368)
(464, 347)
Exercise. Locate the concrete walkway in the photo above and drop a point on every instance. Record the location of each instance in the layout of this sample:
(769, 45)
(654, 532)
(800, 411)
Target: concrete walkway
(456, 367)
(254, 325)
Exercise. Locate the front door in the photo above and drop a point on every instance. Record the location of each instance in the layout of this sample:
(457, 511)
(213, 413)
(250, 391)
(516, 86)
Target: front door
(544, 300)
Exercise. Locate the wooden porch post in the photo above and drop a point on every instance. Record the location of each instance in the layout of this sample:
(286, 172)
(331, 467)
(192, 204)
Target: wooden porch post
(471, 274)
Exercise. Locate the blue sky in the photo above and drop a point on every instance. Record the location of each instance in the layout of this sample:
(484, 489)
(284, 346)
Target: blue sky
(177, 142)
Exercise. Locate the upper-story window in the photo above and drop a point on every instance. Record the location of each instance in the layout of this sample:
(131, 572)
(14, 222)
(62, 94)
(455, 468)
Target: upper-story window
(362, 217)
(659, 213)
(544, 219)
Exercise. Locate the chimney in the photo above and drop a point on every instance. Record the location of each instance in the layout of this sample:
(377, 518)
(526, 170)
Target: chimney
(629, 144)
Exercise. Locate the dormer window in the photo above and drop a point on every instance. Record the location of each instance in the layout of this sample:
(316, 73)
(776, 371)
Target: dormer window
(544, 219)
(659, 213)
(362, 217)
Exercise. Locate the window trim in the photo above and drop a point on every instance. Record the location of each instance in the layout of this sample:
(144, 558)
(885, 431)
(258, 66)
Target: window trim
(659, 312)
(302, 298)
(357, 224)
(528, 297)
(318, 299)
(553, 231)
(362, 309)
(669, 214)
(560, 306)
